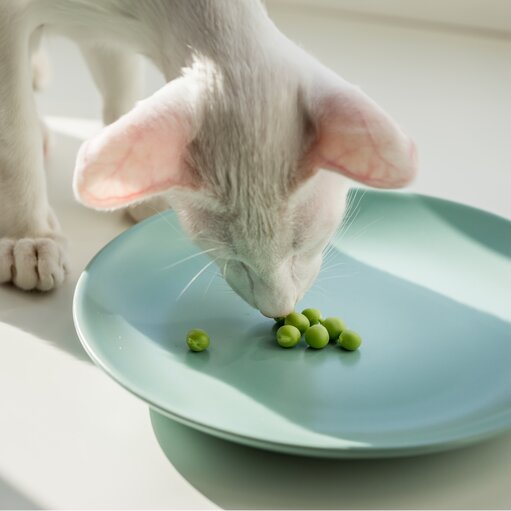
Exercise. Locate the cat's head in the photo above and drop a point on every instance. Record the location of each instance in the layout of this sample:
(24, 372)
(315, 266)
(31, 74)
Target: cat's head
(257, 174)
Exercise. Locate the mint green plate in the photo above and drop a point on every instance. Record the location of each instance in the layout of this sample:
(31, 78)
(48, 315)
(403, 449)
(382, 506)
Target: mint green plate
(426, 282)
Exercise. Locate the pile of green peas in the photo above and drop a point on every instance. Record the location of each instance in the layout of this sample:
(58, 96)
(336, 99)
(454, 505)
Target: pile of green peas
(317, 332)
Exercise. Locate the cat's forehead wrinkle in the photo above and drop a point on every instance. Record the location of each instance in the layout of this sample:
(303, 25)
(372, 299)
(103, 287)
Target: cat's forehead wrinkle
(249, 152)
(251, 136)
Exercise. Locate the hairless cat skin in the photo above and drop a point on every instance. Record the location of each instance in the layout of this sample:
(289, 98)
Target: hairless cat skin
(252, 141)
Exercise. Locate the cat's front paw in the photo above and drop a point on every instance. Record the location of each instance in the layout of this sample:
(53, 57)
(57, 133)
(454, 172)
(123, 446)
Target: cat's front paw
(33, 263)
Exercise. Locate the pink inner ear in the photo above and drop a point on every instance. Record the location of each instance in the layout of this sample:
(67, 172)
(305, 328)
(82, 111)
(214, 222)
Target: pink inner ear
(140, 155)
(359, 140)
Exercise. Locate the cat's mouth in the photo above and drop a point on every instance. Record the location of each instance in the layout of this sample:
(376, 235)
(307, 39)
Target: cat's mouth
(236, 280)
(243, 284)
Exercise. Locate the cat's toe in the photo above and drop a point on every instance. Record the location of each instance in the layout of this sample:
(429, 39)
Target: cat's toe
(6, 260)
(32, 263)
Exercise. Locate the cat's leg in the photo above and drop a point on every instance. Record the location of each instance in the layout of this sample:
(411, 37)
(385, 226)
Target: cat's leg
(40, 78)
(32, 248)
(118, 76)
(40, 69)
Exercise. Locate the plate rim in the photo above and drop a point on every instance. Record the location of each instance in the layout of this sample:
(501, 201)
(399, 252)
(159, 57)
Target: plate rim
(352, 452)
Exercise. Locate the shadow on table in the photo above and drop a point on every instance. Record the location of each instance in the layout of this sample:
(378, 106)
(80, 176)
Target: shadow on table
(48, 316)
(239, 477)
(11, 498)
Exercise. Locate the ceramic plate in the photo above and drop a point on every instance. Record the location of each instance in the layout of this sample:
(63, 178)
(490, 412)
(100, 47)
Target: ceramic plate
(426, 282)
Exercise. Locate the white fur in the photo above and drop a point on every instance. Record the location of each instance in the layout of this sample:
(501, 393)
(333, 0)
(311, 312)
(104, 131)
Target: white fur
(247, 182)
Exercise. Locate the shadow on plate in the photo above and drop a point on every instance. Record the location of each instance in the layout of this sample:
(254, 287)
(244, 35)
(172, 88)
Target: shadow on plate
(237, 477)
(478, 225)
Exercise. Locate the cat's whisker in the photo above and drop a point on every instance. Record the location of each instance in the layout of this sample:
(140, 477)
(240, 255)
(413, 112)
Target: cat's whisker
(328, 257)
(160, 214)
(329, 251)
(193, 279)
(334, 277)
(326, 262)
(328, 268)
(353, 203)
(333, 263)
(364, 229)
(229, 291)
(319, 290)
(197, 254)
(349, 209)
(199, 239)
(351, 221)
(216, 274)
(225, 269)
(330, 246)
(352, 212)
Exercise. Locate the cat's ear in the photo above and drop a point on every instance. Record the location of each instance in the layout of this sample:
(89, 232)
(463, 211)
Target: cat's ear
(142, 153)
(356, 138)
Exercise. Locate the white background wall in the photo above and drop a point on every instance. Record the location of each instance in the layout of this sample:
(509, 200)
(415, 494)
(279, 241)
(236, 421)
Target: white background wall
(477, 14)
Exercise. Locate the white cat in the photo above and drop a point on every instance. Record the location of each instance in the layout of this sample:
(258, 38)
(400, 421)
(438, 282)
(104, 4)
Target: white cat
(236, 140)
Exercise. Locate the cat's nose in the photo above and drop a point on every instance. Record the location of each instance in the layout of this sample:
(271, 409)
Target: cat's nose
(277, 309)
(275, 295)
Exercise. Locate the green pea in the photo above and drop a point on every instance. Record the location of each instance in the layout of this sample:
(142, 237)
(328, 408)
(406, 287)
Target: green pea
(349, 340)
(298, 320)
(316, 336)
(288, 336)
(313, 315)
(334, 326)
(197, 339)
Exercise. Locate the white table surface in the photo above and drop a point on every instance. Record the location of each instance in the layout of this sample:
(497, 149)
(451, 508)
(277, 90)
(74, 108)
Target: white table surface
(70, 437)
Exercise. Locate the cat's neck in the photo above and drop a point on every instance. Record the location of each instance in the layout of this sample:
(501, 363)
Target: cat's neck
(229, 34)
